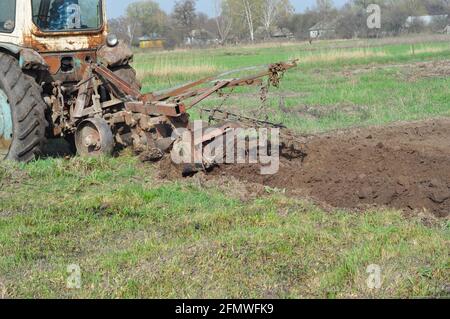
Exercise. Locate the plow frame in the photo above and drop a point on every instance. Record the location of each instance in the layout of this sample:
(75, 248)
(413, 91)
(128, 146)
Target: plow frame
(151, 118)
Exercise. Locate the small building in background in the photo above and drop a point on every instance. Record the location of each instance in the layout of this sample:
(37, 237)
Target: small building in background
(323, 30)
(434, 23)
(200, 38)
(282, 34)
(447, 30)
(276, 33)
(153, 42)
(424, 20)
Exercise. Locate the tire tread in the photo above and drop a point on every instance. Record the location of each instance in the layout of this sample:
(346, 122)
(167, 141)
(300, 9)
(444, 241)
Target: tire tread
(28, 110)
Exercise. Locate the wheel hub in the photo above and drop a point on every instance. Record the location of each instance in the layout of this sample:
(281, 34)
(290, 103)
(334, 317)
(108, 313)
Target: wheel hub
(6, 125)
(92, 141)
(94, 137)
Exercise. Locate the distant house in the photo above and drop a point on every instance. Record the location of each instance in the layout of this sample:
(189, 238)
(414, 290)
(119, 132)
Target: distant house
(446, 30)
(276, 33)
(153, 42)
(282, 33)
(322, 30)
(200, 37)
(425, 20)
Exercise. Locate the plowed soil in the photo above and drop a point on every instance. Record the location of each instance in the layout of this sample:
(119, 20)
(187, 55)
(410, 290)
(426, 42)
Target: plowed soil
(403, 166)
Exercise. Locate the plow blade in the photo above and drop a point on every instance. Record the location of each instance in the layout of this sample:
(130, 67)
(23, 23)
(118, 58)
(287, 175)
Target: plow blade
(197, 149)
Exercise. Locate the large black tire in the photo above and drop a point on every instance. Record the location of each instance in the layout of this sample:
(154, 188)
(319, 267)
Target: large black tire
(27, 109)
(128, 74)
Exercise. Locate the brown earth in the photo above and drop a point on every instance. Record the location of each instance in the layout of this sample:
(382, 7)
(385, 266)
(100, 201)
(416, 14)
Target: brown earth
(410, 72)
(403, 166)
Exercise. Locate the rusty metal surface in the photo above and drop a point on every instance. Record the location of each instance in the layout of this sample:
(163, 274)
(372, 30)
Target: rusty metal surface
(215, 132)
(83, 95)
(79, 60)
(31, 60)
(290, 141)
(146, 102)
(119, 83)
(63, 41)
(158, 108)
(146, 121)
(209, 92)
(274, 71)
(181, 90)
(94, 138)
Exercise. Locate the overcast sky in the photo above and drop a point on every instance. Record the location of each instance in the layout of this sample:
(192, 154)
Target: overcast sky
(117, 7)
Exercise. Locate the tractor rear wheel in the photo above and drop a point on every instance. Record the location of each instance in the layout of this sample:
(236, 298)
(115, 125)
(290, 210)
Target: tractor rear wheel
(22, 113)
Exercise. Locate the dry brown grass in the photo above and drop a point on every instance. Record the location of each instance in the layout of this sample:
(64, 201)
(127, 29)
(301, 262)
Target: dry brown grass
(176, 70)
(332, 56)
(175, 66)
(429, 50)
(268, 45)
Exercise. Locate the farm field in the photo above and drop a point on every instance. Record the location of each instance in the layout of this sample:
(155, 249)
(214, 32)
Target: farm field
(373, 190)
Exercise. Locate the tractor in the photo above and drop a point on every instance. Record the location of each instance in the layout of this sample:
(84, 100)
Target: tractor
(62, 75)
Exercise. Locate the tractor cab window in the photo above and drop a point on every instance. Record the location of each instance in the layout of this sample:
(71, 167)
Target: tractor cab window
(7, 15)
(67, 15)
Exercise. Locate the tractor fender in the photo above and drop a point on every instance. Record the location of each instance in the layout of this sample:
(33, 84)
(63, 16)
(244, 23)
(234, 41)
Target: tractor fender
(10, 48)
(28, 59)
(118, 55)
(32, 60)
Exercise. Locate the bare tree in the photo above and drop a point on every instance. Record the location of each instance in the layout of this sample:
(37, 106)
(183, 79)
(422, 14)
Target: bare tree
(223, 19)
(272, 10)
(246, 15)
(249, 7)
(124, 28)
(131, 27)
(324, 8)
(185, 14)
(146, 17)
(131, 22)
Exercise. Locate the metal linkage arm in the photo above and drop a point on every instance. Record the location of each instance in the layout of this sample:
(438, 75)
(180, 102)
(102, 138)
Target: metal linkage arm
(170, 102)
(190, 90)
(156, 108)
(123, 86)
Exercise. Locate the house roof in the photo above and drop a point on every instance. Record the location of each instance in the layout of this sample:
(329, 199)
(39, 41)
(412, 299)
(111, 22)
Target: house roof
(323, 25)
(201, 34)
(282, 33)
(154, 36)
(424, 19)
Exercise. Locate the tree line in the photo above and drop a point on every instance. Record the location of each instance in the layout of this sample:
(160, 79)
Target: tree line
(253, 20)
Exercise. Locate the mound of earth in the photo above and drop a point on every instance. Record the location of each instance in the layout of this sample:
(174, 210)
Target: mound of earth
(403, 166)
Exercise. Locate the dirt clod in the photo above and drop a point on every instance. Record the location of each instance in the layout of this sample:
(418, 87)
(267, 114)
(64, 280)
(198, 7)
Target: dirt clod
(402, 166)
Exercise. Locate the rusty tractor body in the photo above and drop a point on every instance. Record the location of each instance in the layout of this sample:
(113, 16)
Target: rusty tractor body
(63, 75)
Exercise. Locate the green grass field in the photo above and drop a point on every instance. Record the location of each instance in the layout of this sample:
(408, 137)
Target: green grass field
(134, 235)
(343, 83)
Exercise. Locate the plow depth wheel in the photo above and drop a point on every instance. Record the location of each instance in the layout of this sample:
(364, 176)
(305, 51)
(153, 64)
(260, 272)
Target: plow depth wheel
(94, 138)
